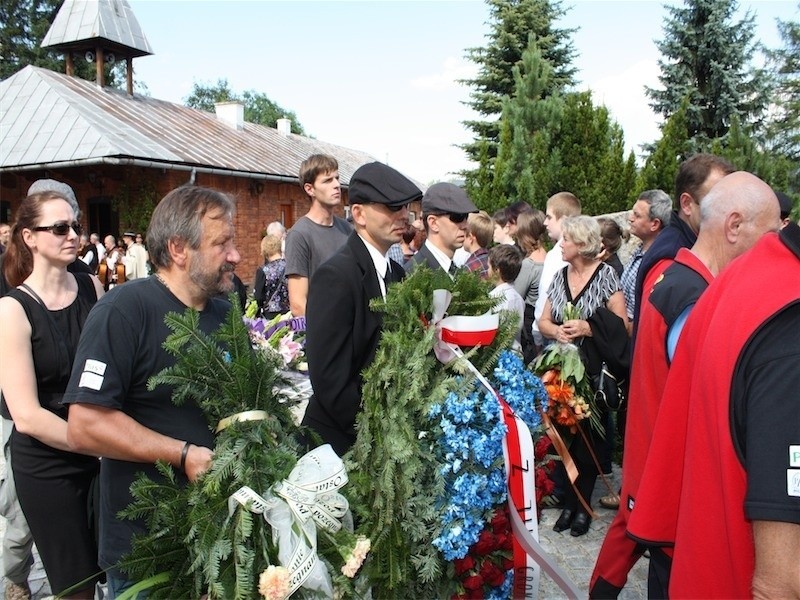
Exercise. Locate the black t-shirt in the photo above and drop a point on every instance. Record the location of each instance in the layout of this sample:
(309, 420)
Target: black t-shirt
(765, 415)
(121, 347)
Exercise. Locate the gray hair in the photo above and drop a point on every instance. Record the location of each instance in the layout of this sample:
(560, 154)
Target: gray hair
(660, 205)
(179, 215)
(584, 231)
(276, 228)
(60, 188)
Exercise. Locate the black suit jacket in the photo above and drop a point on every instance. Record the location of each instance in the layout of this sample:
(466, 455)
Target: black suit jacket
(342, 335)
(423, 256)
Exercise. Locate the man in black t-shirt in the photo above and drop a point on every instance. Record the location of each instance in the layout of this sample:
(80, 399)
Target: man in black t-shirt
(112, 413)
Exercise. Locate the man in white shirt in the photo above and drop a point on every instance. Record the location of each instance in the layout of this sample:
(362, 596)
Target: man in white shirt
(445, 208)
(135, 258)
(560, 205)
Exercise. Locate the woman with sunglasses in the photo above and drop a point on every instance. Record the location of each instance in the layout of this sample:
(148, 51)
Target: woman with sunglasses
(42, 319)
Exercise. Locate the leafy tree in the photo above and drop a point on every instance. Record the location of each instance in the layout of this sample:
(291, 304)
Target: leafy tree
(707, 58)
(784, 129)
(23, 25)
(258, 108)
(511, 23)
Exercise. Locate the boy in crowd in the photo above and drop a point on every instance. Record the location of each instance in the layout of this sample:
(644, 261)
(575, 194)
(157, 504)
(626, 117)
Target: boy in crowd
(505, 262)
(480, 229)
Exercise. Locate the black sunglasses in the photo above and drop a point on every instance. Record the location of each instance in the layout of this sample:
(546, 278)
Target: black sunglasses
(60, 228)
(455, 217)
(393, 208)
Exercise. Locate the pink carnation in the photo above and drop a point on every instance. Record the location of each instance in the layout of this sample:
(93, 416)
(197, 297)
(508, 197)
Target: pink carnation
(357, 557)
(273, 583)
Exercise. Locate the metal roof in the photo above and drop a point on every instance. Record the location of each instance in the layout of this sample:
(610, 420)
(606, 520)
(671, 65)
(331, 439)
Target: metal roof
(49, 119)
(112, 21)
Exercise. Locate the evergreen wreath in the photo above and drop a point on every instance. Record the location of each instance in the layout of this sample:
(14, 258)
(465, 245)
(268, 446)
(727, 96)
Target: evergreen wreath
(194, 544)
(395, 472)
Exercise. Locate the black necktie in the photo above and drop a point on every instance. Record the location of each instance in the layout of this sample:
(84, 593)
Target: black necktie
(452, 270)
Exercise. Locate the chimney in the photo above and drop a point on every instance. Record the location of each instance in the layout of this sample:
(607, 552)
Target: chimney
(230, 113)
(284, 126)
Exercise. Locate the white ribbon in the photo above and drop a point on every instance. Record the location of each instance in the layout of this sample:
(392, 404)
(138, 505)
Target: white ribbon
(474, 331)
(295, 507)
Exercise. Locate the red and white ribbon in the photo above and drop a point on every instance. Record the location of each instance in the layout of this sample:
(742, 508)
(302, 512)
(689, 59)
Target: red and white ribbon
(518, 451)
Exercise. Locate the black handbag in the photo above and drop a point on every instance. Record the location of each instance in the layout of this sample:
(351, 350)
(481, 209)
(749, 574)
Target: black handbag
(608, 389)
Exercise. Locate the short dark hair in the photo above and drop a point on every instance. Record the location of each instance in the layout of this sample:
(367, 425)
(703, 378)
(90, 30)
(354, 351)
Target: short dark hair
(506, 260)
(693, 172)
(515, 209)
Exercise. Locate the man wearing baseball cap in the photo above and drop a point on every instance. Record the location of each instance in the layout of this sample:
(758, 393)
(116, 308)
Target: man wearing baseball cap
(342, 332)
(445, 208)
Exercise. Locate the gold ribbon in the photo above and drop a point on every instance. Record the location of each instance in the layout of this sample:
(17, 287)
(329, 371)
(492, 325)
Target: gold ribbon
(249, 415)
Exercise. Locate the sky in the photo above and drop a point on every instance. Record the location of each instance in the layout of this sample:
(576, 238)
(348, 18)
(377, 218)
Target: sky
(382, 76)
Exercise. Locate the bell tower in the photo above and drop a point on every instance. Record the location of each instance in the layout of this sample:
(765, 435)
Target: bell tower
(99, 31)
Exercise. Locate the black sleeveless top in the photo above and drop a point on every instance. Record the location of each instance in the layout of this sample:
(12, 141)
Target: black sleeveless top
(54, 340)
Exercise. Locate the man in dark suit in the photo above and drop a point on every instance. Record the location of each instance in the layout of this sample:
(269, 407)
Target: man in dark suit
(445, 208)
(342, 332)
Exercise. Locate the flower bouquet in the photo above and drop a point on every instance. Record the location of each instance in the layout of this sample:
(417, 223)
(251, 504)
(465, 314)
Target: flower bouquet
(243, 529)
(570, 397)
(283, 338)
(429, 485)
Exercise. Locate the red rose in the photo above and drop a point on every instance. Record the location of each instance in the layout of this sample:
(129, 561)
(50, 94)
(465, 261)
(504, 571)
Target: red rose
(491, 574)
(500, 521)
(472, 583)
(462, 565)
(542, 447)
(507, 564)
(486, 543)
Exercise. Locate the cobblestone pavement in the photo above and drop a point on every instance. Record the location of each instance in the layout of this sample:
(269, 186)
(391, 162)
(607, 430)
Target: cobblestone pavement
(575, 555)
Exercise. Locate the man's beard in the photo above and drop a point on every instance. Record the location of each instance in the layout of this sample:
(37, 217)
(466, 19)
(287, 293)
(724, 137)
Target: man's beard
(212, 283)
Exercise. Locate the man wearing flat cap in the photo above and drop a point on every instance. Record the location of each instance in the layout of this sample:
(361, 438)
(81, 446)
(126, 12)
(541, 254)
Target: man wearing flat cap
(342, 332)
(445, 208)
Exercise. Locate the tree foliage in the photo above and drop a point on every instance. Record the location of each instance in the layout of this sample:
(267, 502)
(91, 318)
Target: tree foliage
(511, 23)
(707, 58)
(784, 127)
(258, 108)
(662, 164)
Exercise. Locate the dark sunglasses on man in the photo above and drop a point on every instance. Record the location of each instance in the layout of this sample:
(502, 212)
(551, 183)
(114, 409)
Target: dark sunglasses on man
(455, 217)
(60, 228)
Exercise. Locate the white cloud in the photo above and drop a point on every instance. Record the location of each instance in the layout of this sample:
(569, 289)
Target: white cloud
(623, 93)
(447, 78)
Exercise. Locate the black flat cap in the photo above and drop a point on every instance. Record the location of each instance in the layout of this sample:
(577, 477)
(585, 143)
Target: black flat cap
(377, 183)
(446, 197)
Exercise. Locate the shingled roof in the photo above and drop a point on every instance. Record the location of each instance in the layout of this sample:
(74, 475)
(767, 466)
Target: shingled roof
(50, 120)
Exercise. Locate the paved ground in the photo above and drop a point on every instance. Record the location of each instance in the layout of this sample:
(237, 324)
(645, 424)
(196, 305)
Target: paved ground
(575, 555)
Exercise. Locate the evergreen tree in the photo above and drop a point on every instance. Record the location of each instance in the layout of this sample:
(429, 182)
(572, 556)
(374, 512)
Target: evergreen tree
(591, 148)
(661, 166)
(258, 108)
(533, 120)
(511, 23)
(707, 58)
(784, 130)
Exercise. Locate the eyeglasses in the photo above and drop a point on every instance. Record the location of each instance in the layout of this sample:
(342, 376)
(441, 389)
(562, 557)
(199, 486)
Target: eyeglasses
(60, 228)
(455, 217)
